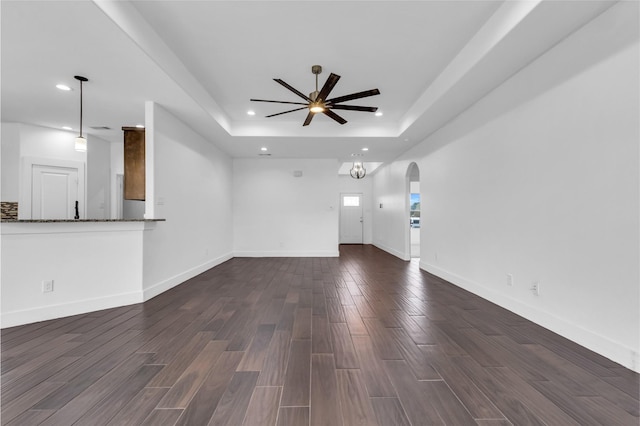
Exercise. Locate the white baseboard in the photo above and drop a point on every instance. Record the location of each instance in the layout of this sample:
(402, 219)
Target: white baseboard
(392, 251)
(49, 312)
(175, 280)
(626, 356)
(286, 253)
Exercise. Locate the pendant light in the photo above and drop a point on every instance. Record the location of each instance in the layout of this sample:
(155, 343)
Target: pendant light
(81, 142)
(357, 171)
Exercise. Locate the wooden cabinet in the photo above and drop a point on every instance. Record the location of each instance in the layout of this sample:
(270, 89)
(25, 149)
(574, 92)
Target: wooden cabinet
(134, 184)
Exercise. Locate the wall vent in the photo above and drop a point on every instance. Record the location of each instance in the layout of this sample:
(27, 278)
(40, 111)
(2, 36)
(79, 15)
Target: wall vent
(101, 127)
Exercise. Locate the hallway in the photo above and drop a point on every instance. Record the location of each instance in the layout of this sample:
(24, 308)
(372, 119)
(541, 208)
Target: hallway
(363, 339)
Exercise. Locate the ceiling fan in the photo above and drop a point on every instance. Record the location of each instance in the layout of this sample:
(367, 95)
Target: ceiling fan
(317, 101)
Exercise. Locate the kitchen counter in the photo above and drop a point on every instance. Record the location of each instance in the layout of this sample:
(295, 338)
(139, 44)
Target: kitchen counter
(91, 264)
(77, 220)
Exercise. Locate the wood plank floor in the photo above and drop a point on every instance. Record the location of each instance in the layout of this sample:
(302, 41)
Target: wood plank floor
(363, 339)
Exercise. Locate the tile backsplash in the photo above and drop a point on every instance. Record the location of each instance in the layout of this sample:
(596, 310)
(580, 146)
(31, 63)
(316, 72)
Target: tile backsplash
(9, 210)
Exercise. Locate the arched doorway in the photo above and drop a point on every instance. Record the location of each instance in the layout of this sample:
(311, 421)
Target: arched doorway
(412, 234)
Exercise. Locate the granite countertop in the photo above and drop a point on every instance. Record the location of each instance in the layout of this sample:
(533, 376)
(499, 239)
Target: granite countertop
(77, 220)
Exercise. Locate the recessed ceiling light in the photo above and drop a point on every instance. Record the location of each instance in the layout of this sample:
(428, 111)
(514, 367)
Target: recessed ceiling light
(66, 128)
(140, 126)
(365, 149)
(264, 148)
(63, 87)
(251, 112)
(379, 114)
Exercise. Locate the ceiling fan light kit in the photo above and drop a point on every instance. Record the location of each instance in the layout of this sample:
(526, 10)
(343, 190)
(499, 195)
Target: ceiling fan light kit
(318, 102)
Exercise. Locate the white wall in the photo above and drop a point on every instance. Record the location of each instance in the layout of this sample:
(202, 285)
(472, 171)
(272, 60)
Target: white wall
(192, 191)
(98, 178)
(540, 180)
(390, 208)
(347, 184)
(278, 214)
(45, 142)
(10, 144)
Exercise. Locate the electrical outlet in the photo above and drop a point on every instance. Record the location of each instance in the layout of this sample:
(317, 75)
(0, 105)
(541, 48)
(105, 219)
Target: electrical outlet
(509, 280)
(535, 288)
(47, 286)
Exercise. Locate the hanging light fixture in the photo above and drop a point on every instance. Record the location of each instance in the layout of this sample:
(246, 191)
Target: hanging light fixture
(357, 171)
(81, 142)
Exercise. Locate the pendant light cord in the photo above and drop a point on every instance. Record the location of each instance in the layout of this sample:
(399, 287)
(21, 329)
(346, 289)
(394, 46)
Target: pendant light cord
(81, 79)
(80, 108)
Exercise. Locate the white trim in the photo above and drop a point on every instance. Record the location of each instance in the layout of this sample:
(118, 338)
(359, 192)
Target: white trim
(407, 208)
(394, 252)
(167, 284)
(17, 228)
(49, 312)
(285, 253)
(149, 161)
(615, 351)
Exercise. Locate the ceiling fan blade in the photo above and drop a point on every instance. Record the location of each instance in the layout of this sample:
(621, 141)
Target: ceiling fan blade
(335, 116)
(285, 112)
(297, 92)
(353, 96)
(308, 119)
(328, 86)
(354, 108)
(279, 102)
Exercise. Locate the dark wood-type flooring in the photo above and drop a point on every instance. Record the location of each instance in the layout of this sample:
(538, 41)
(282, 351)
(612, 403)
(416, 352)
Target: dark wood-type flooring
(364, 339)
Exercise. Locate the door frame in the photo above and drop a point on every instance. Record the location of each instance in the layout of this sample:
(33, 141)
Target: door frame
(342, 194)
(26, 183)
(412, 169)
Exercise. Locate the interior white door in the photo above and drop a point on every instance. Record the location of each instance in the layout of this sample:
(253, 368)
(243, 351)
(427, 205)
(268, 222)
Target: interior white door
(350, 218)
(54, 192)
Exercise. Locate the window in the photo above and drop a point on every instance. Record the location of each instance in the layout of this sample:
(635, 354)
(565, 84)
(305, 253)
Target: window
(348, 201)
(414, 211)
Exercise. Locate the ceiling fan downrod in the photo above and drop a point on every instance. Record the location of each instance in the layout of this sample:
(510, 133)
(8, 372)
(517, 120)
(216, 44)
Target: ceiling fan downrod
(316, 69)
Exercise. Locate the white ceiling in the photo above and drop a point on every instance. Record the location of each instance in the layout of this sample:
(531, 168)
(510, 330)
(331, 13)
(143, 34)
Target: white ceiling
(204, 60)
